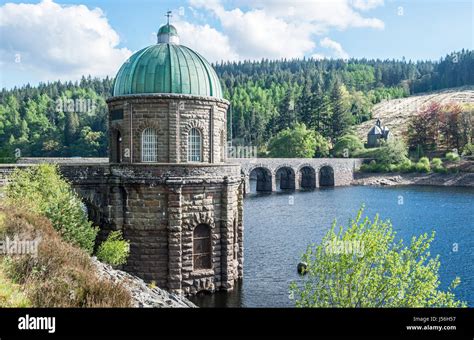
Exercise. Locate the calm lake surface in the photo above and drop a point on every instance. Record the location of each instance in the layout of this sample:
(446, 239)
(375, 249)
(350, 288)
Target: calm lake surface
(277, 233)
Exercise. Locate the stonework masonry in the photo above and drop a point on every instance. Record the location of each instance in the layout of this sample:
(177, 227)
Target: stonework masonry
(157, 206)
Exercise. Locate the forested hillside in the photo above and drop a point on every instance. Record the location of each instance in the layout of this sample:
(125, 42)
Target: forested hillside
(328, 96)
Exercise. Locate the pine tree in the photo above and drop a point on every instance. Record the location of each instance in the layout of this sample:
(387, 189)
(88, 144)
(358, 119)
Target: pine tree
(341, 116)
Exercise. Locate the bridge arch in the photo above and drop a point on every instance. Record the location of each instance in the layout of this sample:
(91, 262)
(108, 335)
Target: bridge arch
(285, 177)
(263, 178)
(307, 176)
(326, 176)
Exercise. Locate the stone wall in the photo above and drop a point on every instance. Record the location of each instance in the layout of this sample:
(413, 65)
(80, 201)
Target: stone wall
(172, 117)
(343, 169)
(157, 207)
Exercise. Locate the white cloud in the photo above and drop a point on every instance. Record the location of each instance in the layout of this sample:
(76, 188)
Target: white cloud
(365, 5)
(59, 42)
(286, 29)
(336, 48)
(209, 42)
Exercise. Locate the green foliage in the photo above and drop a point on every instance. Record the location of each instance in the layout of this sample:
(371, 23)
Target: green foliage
(55, 119)
(348, 146)
(11, 294)
(295, 142)
(423, 165)
(452, 156)
(43, 190)
(114, 250)
(363, 266)
(266, 97)
(341, 117)
(407, 166)
(322, 146)
(436, 162)
(468, 150)
(437, 166)
(394, 151)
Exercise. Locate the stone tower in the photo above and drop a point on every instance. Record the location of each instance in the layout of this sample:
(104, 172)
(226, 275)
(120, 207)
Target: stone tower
(172, 193)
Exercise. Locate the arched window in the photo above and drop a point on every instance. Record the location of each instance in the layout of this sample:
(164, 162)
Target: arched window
(194, 145)
(202, 247)
(149, 145)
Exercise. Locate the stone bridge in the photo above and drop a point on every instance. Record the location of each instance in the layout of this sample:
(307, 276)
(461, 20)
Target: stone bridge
(273, 174)
(270, 174)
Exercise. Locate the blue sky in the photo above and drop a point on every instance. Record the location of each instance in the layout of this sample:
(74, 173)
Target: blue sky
(48, 40)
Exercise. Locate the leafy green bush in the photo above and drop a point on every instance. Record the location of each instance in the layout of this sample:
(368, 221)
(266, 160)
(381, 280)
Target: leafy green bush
(468, 150)
(407, 166)
(298, 141)
(392, 152)
(437, 166)
(452, 156)
(423, 165)
(42, 189)
(436, 162)
(394, 167)
(348, 146)
(440, 169)
(114, 250)
(363, 266)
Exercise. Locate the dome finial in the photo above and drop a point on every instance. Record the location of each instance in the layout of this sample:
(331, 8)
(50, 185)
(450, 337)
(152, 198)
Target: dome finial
(167, 33)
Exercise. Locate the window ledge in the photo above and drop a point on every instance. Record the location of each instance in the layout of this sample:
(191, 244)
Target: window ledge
(202, 272)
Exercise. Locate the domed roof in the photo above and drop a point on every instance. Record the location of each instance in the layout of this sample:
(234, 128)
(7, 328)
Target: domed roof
(168, 29)
(167, 67)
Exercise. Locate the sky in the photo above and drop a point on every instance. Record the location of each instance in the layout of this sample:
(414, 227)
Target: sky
(47, 40)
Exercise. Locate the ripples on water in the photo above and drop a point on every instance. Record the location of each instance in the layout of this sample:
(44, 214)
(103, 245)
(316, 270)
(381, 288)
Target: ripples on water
(277, 233)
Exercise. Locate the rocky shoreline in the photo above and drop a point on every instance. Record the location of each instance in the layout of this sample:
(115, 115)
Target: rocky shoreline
(143, 295)
(461, 179)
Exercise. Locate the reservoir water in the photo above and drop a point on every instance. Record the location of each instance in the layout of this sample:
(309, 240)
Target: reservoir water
(279, 226)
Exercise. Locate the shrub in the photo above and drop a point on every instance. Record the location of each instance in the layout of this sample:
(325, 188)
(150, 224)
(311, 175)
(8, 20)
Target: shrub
(114, 250)
(452, 156)
(423, 166)
(373, 270)
(60, 275)
(11, 294)
(424, 160)
(440, 169)
(373, 166)
(298, 141)
(348, 146)
(436, 162)
(42, 190)
(407, 166)
(392, 152)
(437, 166)
(394, 167)
(468, 150)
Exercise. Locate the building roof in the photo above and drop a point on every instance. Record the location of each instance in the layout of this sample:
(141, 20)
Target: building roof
(167, 67)
(375, 130)
(168, 29)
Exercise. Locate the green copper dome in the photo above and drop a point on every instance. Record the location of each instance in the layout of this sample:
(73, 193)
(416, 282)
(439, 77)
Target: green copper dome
(168, 29)
(167, 67)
